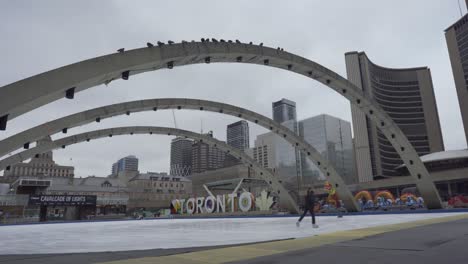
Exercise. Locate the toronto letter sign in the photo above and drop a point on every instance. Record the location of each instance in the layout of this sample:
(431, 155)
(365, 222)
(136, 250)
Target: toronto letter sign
(222, 203)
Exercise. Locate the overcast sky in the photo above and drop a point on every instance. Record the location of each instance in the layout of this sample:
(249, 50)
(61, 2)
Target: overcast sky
(38, 36)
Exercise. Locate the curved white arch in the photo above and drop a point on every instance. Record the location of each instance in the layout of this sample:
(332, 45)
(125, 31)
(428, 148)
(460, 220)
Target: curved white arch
(17, 141)
(264, 173)
(30, 93)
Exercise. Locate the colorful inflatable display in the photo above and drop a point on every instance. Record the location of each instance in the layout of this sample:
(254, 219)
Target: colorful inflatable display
(363, 194)
(459, 201)
(386, 195)
(332, 198)
(404, 197)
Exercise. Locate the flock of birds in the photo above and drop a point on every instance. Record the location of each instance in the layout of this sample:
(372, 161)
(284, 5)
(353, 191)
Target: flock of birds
(170, 42)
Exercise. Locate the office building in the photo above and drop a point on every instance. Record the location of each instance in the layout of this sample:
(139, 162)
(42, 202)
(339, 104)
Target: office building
(457, 42)
(238, 135)
(407, 95)
(181, 157)
(284, 110)
(273, 152)
(331, 137)
(126, 164)
(206, 157)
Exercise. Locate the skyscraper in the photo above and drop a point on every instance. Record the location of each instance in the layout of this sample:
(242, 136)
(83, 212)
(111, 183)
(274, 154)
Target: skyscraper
(273, 152)
(332, 138)
(457, 40)
(284, 110)
(181, 157)
(126, 164)
(238, 135)
(408, 98)
(206, 157)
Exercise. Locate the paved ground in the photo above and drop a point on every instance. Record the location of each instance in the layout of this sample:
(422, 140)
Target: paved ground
(436, 243)
(441, 240)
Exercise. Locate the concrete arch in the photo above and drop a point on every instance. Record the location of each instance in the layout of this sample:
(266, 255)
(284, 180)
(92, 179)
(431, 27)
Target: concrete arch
(33, 92)
(264, 173)
(65, 123)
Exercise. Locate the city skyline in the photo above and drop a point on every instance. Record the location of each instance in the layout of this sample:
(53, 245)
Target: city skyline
(269, 84)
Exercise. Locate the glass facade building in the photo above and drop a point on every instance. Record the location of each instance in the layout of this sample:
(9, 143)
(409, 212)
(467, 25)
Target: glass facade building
(332, 138)
(275, 153)
(127, 164)
(288, 158)
(238, 135)
(284, 110)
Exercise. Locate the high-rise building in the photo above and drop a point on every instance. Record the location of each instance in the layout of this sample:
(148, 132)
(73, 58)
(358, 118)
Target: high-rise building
(126, 164)
(181, 157)
(284, 110)
(273, 152)
(238, 135)
(206, 157)
(407, 95)
(40, 165)
(331, 137)
(457, 41)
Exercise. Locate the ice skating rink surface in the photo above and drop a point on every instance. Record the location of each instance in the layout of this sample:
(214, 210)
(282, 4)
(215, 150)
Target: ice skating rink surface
(179, 233)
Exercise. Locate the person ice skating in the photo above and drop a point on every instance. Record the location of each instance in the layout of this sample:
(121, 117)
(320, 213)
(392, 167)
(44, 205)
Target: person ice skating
(309, 206)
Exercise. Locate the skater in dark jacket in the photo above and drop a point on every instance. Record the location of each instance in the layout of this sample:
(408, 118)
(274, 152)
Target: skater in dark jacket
(309, 206)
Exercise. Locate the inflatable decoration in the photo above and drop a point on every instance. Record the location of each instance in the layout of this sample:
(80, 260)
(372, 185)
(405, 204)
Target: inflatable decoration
(363, 194)
(412, 200)
(332, 198)
(404, 197)
(420, 202)
(386, 195)
(459, 201)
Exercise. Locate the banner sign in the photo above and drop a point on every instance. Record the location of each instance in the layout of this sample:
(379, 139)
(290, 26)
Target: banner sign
(67, 200)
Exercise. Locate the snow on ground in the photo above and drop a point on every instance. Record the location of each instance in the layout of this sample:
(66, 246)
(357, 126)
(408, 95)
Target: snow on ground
(177, 233)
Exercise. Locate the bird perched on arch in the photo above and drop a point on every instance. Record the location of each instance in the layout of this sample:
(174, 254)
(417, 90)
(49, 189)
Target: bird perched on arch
(121, 50)
(149, 44)
(170, 42)
(214, 40)
(160, 43)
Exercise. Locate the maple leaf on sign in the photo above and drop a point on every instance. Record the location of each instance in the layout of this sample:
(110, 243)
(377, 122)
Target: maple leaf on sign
(264, 202)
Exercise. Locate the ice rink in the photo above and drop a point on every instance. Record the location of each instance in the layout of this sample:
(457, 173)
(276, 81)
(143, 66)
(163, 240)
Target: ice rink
(177, 233)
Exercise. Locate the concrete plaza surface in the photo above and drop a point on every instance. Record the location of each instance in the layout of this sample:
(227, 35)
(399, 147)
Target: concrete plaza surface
(181, 238)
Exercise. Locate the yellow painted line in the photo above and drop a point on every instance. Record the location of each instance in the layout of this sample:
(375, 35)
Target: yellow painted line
(240, 253)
